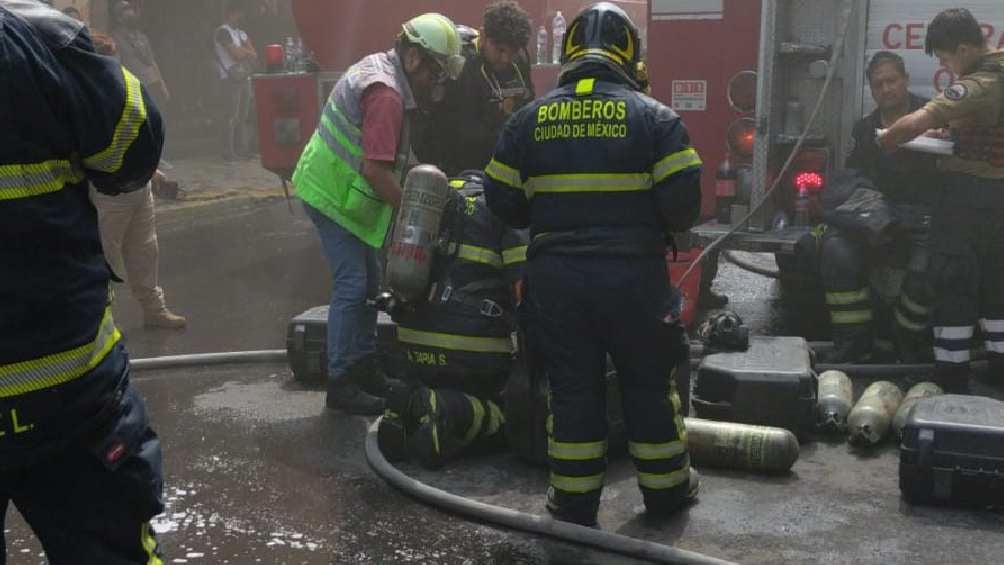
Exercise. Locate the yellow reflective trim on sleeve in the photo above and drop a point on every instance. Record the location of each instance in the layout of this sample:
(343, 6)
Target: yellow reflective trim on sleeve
(133, 117)
(656, 451)
(476, 254)
(455, 342)
(672, 164)
(912, 306)
(457, 183)
(850, 317)
(663, 481)
(576, 451)
(504, 174)
(577, 485)
(589, 182)
(149, 544)
(909, 324)
(585, 87)
(514, 255)
(59, 368)
(27, 180)
(848, 298)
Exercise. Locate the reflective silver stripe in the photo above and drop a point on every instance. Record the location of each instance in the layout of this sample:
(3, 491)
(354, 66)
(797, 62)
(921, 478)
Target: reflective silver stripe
(133, 117)
(675, 163)
(26, 180)
(341, 122)
(577, 485)
(663, 481)
(948, 356)
(953, 332)
(58, 368)
(993, 326)
(589, 182)
(656, 451)
(342, 148)
(576, 451)
(995, 346)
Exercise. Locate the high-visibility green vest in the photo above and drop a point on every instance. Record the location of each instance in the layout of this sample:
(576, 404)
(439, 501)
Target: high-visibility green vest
(328, 176)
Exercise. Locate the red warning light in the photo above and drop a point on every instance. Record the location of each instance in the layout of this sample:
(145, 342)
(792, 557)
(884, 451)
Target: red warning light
(809, 181)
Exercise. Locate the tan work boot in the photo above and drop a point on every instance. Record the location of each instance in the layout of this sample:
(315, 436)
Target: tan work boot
(164, 318)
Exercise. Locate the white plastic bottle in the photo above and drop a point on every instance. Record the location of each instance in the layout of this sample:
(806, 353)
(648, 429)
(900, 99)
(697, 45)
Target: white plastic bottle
(558, 33)
(542, 46)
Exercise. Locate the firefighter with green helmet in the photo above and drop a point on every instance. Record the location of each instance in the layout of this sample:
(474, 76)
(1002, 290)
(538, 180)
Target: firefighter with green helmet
(349, 178)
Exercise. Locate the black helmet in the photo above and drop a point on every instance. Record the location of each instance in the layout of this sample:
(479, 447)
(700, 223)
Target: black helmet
(604, 33)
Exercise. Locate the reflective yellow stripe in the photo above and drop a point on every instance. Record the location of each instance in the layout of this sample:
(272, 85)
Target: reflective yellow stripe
(909, 324)
(577, 485)
(149, 544)
(912, 306)
(585, 87)
(504, 174)
(656, 451)
(589, 182)
(59, 368)
(477, 254)
(576, 451)
(496, 418)
(457, 183)
(602, 52)
(477, 421)
(455, 342)
(847, 298)
(851, 317)
(663, 481)
(672, 164)
(25, 180)
(514, 255)
(133, 117)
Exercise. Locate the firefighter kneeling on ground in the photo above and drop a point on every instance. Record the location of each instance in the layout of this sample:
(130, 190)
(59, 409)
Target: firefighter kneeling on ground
(457, 344)
(602, 175)
(877, 287)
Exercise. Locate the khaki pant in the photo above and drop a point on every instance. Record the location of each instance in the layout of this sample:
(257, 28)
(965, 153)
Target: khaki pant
(129, 237)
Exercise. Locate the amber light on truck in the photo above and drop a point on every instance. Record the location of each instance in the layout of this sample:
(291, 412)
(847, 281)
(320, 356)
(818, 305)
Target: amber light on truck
(741, 134)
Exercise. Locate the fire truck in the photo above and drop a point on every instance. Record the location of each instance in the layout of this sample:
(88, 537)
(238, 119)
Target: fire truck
(747, 75)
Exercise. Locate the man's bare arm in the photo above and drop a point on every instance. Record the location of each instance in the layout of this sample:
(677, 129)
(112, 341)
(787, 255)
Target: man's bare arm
(381, 177)
(907, 128)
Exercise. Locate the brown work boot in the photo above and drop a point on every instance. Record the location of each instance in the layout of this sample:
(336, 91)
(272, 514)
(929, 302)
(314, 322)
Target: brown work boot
(164, 318)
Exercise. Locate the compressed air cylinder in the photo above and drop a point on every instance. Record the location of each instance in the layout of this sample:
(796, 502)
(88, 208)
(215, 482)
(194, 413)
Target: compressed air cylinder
(916, 392)
(871, 418)
(740, 446)
(416, 233)
(835, 400)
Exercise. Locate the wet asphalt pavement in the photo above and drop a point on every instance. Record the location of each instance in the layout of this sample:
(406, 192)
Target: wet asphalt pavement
(258, 471)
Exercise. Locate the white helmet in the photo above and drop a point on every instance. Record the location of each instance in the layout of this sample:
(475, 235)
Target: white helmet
(438, 36)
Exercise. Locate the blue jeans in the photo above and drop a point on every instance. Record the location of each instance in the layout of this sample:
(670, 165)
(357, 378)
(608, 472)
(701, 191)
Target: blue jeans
(355, 274)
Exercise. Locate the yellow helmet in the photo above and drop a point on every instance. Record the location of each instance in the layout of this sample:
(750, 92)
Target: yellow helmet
(437, 35)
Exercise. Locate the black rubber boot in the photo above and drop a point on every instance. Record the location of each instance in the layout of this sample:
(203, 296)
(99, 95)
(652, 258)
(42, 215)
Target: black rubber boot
(392, 438)
(850, 345)
(368, 374)
(582, 512)
(434, 442)
(663, 510)
(351, 399)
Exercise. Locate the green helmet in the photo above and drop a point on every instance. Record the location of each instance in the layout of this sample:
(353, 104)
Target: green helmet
(438, 36)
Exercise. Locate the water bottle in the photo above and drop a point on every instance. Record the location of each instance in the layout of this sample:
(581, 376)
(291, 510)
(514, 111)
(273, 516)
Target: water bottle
(300, 58)
(290, 56)
(542, 46)
(558, 32)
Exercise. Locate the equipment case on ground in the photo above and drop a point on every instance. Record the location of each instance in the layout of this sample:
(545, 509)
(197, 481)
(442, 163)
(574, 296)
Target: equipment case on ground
(953, 451)
(770, 384)
(307, 345)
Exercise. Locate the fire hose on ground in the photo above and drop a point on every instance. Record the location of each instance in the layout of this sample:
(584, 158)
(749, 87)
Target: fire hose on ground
(505, 517)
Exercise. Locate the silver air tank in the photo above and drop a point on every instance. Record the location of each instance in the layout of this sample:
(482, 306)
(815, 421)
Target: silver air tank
(836, 398)
(871, 418)
(741, 447)
(916, 392)
(416, 233)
